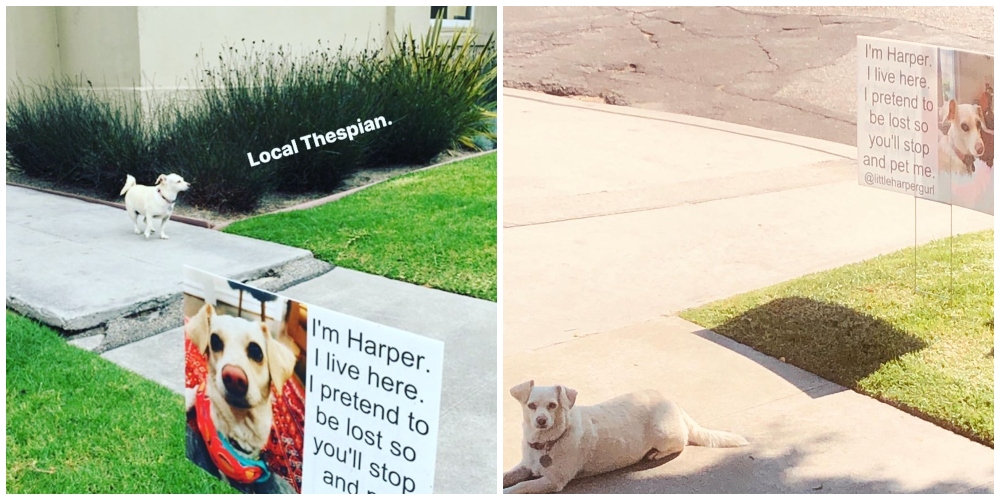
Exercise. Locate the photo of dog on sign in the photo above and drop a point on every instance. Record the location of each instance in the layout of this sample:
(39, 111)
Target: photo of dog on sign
(965, 138)
(244, 396)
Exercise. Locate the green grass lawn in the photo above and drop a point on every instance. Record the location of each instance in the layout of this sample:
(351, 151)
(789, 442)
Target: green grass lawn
(436, 228)
(862, 326)
(77, 423)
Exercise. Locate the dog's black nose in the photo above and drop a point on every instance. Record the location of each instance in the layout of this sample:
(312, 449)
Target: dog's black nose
(541, 421)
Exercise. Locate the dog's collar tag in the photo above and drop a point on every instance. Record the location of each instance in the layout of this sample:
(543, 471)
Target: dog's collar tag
(546, 447)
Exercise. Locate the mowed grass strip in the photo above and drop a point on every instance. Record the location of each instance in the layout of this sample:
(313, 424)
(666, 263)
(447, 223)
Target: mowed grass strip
(862, 326)
(77, 423)
(436, 228)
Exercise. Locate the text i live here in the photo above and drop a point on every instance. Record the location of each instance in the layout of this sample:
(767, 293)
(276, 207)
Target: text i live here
(316, 140)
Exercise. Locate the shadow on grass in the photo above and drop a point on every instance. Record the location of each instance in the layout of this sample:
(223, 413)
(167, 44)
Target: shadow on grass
(766, 468)
(835, 342)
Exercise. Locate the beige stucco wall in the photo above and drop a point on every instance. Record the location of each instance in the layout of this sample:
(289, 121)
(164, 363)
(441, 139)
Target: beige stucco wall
(99, 43)
(168, 58)
(32, 49)
(416, 17)
(484, 21)
(153, 48)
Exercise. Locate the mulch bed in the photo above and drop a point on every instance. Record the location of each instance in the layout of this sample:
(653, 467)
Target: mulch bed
(269, 203)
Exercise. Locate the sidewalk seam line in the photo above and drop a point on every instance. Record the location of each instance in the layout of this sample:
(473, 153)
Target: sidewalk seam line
(611, 112)
(666, 207)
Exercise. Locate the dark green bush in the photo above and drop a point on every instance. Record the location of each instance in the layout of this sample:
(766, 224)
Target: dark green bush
(255, 100)
(205, 153)
(489, 100)
(75, 135)
(436, 94)
(434, 91)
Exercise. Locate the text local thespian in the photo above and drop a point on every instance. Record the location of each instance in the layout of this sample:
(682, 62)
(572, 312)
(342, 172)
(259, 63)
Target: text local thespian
(314, 140)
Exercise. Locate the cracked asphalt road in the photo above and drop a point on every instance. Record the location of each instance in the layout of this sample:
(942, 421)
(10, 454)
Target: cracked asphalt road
(790, 69)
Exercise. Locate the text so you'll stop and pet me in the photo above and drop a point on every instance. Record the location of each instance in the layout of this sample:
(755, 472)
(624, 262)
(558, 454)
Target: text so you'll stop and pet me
(373, 396)
(897, 115)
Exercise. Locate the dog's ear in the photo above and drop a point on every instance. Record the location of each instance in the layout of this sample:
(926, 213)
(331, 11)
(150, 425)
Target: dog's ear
(567, 397)
(979, 111)
(160, 179)
(522, 391)
(199, 327)
(952, 110)
(280, 361)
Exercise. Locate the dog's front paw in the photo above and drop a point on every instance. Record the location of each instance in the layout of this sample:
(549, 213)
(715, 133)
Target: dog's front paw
(516, 475)
(163, 236)
(137, 231)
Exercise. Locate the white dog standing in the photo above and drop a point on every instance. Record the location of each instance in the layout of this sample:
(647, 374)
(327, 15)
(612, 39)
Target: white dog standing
(152, 202)
(563, 441)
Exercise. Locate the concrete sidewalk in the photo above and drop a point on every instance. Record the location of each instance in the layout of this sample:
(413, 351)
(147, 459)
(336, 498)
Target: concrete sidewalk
(78, 266)
(616, 219)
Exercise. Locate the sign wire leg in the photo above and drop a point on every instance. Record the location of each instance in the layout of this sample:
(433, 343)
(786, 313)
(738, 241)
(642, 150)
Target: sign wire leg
(951, 252)
(914, 243)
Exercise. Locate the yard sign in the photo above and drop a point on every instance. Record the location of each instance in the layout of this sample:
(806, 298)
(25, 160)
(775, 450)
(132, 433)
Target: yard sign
(925, 122)
(358, 414)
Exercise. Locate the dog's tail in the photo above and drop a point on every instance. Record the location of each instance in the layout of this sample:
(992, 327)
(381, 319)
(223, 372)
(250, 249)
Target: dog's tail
(700, 436)
(129, 183)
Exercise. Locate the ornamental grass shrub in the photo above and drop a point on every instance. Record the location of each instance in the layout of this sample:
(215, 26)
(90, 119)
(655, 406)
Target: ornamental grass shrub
(404, 104)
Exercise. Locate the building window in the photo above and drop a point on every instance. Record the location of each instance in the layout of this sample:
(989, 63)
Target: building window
(453, 17)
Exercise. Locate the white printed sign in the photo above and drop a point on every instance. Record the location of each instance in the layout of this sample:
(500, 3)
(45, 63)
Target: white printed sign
(925, 122)
(372, 407)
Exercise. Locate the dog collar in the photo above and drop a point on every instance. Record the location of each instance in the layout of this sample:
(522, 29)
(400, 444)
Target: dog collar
(967, 158)
(546, 446)
(235, 466)
(168, 200)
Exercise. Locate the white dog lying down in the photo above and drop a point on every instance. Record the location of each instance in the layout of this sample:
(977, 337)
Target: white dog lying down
(563, 441)
(151, 202)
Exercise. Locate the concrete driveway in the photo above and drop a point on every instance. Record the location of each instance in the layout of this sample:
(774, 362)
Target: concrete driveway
(615, 219)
